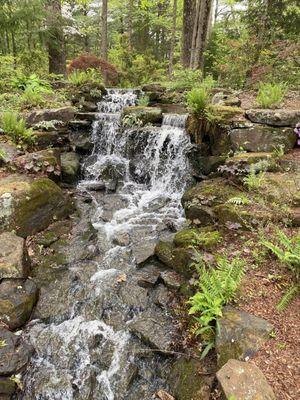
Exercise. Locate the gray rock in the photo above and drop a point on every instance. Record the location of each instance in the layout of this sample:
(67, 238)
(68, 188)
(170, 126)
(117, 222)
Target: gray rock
(81, 141)
(274, 117)
(171, 279)
(29, 205)
(64, 114)
(240, 335)
(147, 115)
(70, 165)
(161, 296)
(225, 99)
(14, 354)
(14, 259)
(86, 116)
(43, 161)
(9, 151)
(262, 138)
(148, 276)
(244, 381)
(188, 382)
(153, 328)
(17, 299)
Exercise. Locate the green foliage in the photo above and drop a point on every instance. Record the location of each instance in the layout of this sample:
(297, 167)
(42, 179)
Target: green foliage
(288, 252)
(15, 128)
(254, 180)
(31, 98)
(143, 101)
(2, 154)
(270, 95)
(32, 82)
(131, 120)
(186, 79)
(198, 100)
(288, 297)
(79, 78)
(216, 287)
(238, 201)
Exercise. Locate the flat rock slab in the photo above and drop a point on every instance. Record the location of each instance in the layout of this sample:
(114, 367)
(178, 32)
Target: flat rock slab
(14, 353)
(63, 114)
(262, 138)
(244, 381)
(14, 259)
(240, 335)
(153, 328)
(29, 205)
(274, 117)
(17, 299)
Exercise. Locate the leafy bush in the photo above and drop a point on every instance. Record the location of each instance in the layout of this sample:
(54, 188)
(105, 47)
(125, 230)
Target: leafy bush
(197, 100)
(270, 95)
(288, 252)
(131, 120)
(15, 128)
(186, 79)
(216, 287)
(143, 101)
(31, 98)
(79, 78)
(253, 180)
(90, 62)
(32, 82)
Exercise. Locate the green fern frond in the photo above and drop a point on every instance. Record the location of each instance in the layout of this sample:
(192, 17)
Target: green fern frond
(288, 297)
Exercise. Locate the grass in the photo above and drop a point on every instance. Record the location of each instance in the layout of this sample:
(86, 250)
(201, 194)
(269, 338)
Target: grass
(270, 95)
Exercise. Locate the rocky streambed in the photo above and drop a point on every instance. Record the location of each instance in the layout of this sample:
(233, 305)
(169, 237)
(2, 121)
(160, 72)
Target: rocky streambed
(106, 261)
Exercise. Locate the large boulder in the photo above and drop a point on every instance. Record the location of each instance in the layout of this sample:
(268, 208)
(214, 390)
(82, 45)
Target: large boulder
(187, 381)
(8, 151)
(70, 165)
(274, 117)
(14, 259)
(45, 161)
(17, 299)
(29, 205)
(260, 138)
(64, 114)
(14, 354)
(243, 381)
(146, 115)
(240, 335)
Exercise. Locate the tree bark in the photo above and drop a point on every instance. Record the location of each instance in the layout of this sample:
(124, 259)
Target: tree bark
(189, 8)
(173, 38)
(104, 39)
(200, 33)
(56, 39)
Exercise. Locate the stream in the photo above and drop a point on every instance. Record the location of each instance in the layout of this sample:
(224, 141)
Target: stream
(97, 322)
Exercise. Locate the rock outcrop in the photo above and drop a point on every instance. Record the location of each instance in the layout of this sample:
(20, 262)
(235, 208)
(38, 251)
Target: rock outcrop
(14, 259)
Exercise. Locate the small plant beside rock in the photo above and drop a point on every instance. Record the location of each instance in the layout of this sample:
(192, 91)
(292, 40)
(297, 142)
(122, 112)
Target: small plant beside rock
(15, 128)
(270, 95)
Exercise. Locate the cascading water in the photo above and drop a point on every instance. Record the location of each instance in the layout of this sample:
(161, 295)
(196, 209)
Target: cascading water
(88, 350)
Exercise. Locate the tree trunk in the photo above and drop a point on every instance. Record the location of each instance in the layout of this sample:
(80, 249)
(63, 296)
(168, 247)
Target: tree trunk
(173, 38)
(56, 40)
(104, 39)
(129, 22)
(189, 8)
(200, 33)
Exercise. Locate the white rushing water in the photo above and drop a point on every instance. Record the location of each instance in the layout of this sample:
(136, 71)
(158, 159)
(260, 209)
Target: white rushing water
(82, 357)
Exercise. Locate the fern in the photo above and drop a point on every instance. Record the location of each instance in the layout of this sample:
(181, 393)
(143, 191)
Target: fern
(238, 201)
(216, 287)
(288, 297)
(254, 180)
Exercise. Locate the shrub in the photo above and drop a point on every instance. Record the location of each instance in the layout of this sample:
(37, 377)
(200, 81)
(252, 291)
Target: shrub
(32, 82)
(288, 252)
(270, 95)
(198, 100)
(87, 62)
(31, 98)
(143, 101)
(254, 180)
(186, 79)
(15, 128)
(216, 287)
(79, 78)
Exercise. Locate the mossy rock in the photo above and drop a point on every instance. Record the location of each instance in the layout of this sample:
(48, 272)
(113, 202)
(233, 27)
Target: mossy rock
(147, 115)
(228, 114)
(7, 387)
(187, 381)
(180, 259)
(29, 205)
(201, 238)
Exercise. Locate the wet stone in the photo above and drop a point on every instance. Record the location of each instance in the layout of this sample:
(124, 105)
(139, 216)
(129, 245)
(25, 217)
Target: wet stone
(14, 259)
(148, 276)
(17, 299)
(153, 328)
(14, 353)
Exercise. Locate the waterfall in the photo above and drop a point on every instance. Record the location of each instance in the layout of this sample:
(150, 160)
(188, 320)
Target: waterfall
(87, 353)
